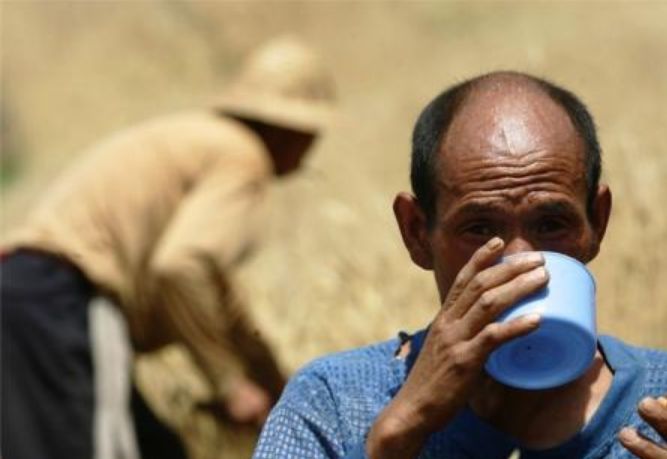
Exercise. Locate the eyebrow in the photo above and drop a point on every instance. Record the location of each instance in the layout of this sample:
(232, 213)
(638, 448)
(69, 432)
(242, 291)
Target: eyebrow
(549, 207)
(474, 208)
(557, 207)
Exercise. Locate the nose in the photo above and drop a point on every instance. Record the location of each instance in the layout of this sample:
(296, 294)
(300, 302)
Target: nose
(518, 244)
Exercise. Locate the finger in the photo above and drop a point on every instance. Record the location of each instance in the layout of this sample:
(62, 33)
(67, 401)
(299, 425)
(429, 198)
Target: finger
(494, 277)
(640, 446)
(654, 412)
(493, 302)
(485, 256)
(495, 334)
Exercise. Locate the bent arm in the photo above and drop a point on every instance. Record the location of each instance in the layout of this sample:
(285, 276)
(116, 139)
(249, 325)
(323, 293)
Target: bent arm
(459, 341)
(186, 288)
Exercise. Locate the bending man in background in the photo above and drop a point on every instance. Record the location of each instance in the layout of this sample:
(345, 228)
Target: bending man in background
(151, 220)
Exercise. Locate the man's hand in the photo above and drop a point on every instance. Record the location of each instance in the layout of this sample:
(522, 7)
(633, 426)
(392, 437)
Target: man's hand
(460, 339)
(246, 404)
(249, 403)
(654, 412)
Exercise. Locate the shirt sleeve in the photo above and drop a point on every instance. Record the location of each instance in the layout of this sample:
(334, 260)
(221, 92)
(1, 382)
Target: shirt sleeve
(305, 423)
(186, 287)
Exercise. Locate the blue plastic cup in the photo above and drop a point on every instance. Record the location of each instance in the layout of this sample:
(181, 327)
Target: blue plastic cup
(563, 347)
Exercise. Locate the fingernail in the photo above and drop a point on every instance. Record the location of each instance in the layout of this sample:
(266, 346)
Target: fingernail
(539, 273)
(536, 256)
(646, 403)
(652, 404)
(532, 319)
(495, 243)
(628, 434)
(531, 257)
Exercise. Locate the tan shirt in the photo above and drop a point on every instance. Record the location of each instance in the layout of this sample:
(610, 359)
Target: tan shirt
(155, 216)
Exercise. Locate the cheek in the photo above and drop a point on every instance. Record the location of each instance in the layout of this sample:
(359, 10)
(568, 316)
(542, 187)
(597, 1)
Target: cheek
(448, 259)
(586, 247)
(580, 245)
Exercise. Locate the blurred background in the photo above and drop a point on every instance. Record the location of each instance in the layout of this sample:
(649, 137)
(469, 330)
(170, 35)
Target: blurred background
(332, 272)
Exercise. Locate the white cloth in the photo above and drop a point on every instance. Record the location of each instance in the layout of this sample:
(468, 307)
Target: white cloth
(113, 429)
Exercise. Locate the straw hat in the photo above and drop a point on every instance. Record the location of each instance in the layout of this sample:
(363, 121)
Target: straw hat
(282, 83)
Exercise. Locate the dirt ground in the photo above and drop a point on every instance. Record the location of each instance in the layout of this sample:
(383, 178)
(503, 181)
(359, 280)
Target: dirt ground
(332, 272)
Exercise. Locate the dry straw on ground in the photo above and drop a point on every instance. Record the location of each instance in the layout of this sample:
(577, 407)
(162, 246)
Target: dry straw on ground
(332, 272)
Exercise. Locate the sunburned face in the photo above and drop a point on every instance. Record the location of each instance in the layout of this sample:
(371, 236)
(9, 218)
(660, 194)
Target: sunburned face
(511, 165)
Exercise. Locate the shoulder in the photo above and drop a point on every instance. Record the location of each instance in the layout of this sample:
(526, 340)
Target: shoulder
(346, 370)
(653, 362)
(328, 406)
(204, 124)
(644, 372)
(217, 140)
(642, 355)
(196, 128)
(354, 384)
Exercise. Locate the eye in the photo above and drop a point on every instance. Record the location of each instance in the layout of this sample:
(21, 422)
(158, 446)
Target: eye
(550, 225)
(485, 229)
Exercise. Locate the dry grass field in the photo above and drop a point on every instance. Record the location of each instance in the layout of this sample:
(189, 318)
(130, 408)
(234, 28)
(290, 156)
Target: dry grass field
(332, 272)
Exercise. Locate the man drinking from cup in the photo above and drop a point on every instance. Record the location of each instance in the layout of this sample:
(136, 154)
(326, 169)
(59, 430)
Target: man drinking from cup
(502, 164)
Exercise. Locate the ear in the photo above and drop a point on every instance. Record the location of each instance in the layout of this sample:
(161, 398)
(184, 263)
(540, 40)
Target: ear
(600, 216)
(414, 229)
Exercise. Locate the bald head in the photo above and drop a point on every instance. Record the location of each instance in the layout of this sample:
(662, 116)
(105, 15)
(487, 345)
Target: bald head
(502, 113)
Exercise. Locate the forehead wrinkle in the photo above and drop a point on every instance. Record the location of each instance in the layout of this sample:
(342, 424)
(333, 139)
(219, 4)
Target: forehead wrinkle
(500, 195)
(512, 190)
(508, 144)
(476, 208)
(486, 172)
